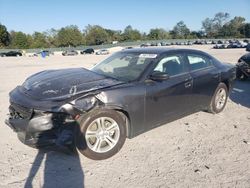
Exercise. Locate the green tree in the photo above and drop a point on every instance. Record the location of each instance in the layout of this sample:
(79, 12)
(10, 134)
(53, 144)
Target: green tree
(232, 28)
(213, 26)
(4, 36)
(51, 36)
(245, 30)
(130, 34)
(20, 40)
(196, 34)
(96, 35)
(208, 27)
(39, 40)
(158, 34)
(114, 35)
(69, 36)
(220, 19)
(180, 31)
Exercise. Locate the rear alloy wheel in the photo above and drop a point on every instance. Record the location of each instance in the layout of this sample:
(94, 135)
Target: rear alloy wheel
(219, 99)
(101, 134)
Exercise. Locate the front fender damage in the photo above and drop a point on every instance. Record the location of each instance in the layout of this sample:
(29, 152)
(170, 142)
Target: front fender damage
(101, 100)
(81, 106)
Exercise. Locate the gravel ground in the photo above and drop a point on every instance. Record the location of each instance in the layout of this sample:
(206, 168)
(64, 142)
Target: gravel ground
(200, 150)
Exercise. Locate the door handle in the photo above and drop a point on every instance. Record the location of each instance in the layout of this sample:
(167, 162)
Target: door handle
(188, 84)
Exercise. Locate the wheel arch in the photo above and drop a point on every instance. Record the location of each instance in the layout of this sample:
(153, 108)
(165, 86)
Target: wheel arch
(227, 83)
(124, 114)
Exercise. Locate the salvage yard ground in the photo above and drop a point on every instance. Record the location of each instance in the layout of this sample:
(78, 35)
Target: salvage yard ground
(200, 150)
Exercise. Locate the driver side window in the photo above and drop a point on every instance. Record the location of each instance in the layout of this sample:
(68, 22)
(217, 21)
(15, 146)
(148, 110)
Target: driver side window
(172, 65)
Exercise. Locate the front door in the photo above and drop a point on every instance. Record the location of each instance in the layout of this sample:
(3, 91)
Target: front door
(166, 100)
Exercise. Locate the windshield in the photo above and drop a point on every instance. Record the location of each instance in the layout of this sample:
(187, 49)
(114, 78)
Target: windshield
(124, 66)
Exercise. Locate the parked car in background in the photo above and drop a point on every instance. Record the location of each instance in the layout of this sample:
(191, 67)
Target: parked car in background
(69, 53)
(145, 45)
(208, 42)
(214, 42)
(129, 93)
(220, 42)
(243, 44)
(243, 67)
(44, 53)
(102, 52)
(220, 46)
(231, 44)
(237, 44)
(248, 47)
(128, 47)
(11, 53)
(188, 43)
(199, 42)
(88, 51)
(165, 44)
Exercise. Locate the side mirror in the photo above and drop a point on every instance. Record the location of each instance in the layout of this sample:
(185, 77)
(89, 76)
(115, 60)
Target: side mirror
(159, 76)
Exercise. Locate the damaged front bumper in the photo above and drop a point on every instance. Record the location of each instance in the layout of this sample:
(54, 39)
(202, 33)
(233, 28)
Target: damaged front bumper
(242, 66)
(42, 129)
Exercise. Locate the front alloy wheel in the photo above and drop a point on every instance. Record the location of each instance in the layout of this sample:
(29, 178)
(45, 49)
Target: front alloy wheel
(100, 134)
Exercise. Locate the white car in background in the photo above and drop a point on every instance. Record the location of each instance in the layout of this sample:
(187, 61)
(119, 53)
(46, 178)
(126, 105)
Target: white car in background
(102, 52)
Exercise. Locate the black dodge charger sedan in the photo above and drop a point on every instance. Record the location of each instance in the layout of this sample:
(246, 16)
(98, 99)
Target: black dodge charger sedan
(130, 92)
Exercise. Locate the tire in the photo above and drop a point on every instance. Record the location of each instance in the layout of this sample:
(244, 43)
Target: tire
(240, 75)
(219, 99)
(100, 134)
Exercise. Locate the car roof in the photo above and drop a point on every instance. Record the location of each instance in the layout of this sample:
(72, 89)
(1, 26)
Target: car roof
(158, 50)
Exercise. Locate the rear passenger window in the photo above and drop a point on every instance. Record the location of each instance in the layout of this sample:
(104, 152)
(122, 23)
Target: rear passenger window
(197, 62)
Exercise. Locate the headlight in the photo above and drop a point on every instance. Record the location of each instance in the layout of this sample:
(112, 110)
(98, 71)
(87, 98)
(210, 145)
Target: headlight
(240, 62)
(84, 104)
(26, 85)
(102, 97)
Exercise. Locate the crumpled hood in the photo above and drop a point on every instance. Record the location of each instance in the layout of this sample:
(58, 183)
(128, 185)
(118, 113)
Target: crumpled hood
(64, 83)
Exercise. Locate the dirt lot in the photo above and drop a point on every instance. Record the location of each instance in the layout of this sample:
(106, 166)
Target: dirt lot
(201, 150)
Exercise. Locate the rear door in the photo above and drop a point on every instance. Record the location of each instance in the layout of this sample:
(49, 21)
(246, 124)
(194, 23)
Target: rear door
(205, 77)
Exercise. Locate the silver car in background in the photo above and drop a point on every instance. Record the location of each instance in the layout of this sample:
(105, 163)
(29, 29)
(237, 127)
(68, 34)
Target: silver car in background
(102, 52)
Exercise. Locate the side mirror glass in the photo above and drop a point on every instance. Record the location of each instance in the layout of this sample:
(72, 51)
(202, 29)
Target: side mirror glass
(159, 76)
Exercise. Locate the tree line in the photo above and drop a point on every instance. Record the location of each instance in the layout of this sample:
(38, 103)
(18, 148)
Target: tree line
(220, 26)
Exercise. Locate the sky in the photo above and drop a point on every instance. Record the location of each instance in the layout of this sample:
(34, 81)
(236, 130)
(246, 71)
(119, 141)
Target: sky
(33, 15)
